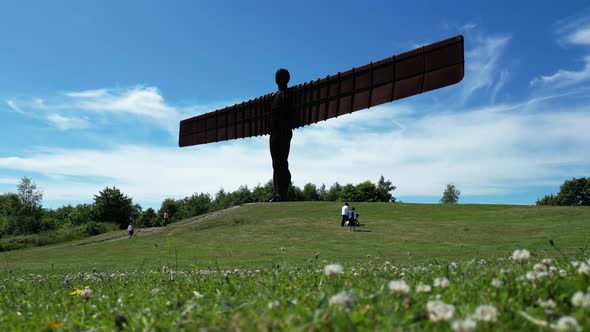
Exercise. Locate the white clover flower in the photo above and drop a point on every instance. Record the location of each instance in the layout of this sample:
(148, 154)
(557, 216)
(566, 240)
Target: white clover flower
(399, 287)
(579, 299)
(343, 299)
(567, 323)
(549, 304)
(333, 269)
(496, 283)
(86, 293)
(453, 265)
(539, 267)
(547, 261)
(584, 268)
(441, 282)
(155, 291)
(273, 304)
(483, 262)
(422, 288)
(536, 275)
(439, 311)
(521, 255)
(464, 325)
(486, 313)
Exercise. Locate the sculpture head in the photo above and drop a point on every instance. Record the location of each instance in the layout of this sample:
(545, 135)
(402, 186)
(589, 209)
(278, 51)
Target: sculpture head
(282, 78)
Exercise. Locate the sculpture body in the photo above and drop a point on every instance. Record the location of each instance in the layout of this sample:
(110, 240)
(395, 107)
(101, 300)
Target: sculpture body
(280, 136)
(410, 73)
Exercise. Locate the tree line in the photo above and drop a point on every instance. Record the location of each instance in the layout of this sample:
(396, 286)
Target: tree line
(22, 212)
(574, 192)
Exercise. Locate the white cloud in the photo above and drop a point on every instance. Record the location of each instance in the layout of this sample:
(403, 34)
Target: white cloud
(87, 93)
(575, 32)
(9, 181)
(481, 65)
(489, 151)
(13, 105)
(64, 123)
(563, 78)
(580, 36)
(142, 101)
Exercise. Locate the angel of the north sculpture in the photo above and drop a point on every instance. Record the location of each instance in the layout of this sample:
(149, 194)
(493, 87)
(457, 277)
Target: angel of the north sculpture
(277, 114)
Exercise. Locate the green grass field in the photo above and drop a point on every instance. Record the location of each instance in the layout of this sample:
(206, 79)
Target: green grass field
(260, 267)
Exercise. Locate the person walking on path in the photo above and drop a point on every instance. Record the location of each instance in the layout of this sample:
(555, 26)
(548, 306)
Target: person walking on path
(344, 214)
(130, 230)
(165, 218)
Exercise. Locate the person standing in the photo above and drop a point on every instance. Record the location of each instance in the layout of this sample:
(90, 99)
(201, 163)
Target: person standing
(344, 214)
(130, 230)
(165, 218)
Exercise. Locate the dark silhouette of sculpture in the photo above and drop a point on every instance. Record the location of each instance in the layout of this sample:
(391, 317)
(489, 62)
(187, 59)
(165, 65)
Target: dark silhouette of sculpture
(280, 135)
(277, 114)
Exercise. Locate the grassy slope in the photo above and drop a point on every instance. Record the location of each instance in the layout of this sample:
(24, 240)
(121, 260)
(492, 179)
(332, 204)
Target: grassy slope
(291, 233)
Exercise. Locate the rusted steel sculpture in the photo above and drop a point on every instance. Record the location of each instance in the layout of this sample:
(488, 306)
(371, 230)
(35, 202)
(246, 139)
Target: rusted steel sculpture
(277, 114)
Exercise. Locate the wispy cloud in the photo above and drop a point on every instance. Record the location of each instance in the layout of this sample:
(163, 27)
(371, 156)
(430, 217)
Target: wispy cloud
(482, 63)
(64, 123)
(146, 104)
(573, 32)
(564, 78)
(13, 105)
(141, 101)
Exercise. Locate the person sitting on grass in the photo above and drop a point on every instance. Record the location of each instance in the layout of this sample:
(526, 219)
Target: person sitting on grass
(130, 230)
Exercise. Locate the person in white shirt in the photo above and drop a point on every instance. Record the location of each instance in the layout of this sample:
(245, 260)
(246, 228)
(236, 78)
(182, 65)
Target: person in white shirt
(165, 218)
(130, 230)
(344, 214)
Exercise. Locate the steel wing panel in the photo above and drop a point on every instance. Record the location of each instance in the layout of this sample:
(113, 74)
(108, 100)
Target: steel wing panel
(410, 73)
(238, 121)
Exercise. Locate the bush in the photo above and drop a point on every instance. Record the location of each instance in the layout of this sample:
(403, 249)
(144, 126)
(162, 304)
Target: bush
(574, 192)
(148, 218)
(111, 205)
(94, 228)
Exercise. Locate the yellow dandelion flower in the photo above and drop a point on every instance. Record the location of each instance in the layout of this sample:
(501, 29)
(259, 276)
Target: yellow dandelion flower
(76, 292)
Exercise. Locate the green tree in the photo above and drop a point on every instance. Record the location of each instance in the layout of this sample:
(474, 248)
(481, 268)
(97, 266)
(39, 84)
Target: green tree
(295, 193)
(148, 218)
(242, 195)
(350, 193)
(575, 192)
(322, 193)
(334, 192)
(310, 192)
(262, 193)
(111, 205)
(194, 205)
(451, 195)
(367, 192)
(384, 189)
(28, 194)
(548, 200)
(80, 215)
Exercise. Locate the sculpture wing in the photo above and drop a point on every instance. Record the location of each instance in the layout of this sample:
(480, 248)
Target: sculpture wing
(238, 121)
(410, 73)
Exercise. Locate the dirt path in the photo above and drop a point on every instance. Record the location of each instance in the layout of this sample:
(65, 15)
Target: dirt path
(122, 235)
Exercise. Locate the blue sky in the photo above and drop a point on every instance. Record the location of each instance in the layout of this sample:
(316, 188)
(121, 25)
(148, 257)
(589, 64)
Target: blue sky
(91, 94)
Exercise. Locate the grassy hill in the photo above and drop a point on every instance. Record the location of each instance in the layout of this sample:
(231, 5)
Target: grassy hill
(264, 267)
(295, 232)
